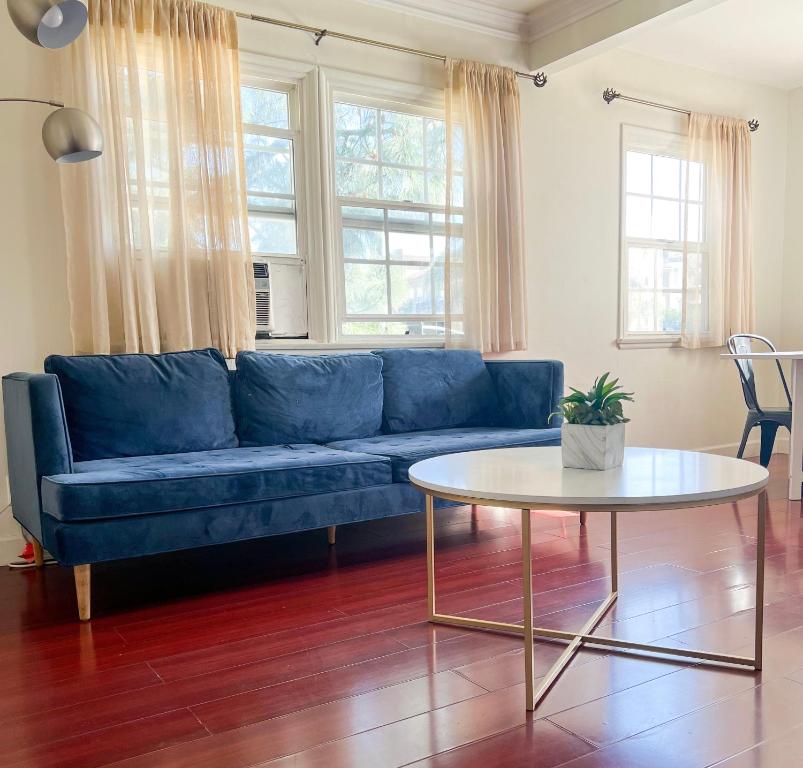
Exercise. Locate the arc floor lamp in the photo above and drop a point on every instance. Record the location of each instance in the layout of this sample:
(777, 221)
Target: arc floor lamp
(69, 135)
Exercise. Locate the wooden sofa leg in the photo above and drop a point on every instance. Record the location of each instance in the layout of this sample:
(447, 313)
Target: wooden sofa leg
(83, 591)
(38, 554)
(583, 517)
(331, 533)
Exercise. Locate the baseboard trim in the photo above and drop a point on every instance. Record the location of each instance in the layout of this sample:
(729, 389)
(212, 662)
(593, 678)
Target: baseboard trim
(752, 449)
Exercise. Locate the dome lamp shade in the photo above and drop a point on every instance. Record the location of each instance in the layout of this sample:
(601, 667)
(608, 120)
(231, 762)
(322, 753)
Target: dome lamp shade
(72, 136)
(49, 23)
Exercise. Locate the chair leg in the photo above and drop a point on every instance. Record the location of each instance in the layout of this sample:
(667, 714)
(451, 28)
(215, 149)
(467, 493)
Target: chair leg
(748, 428)
(38, 554)
(331, 533)
(768, 431)
(583, 515)
(83, 591)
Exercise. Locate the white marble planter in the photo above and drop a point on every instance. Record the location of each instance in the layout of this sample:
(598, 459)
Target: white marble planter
(592, 447)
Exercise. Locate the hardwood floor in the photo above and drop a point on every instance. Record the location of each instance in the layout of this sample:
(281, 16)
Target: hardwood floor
(287, 652)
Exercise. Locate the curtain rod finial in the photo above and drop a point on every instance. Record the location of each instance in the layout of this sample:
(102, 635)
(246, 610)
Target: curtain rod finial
(753, 124)
(539, 80)
(609, 94)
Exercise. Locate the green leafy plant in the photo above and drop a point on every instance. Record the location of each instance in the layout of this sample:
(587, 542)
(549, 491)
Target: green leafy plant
(601, 405)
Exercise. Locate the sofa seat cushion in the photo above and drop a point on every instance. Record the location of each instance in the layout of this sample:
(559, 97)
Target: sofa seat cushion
(140, 405)
(406, 449)
(111, 488)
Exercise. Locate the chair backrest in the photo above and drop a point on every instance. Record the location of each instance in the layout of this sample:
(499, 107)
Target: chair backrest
(744, 344)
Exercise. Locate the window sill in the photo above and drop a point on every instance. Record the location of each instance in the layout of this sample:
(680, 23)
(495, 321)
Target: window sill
(309, 345)
(648, 342)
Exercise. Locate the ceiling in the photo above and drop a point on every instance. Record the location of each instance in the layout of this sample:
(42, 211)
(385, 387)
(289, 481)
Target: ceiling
(508, 19)
(754, 40)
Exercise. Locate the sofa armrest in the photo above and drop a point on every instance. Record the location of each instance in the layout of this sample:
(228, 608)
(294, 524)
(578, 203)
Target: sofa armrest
(37, 440)
(528, 391)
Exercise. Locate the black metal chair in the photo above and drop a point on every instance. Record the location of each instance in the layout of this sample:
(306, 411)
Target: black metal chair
(769, 419)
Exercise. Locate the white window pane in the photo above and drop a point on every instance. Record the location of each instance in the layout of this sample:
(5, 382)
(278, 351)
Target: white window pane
(353, 214)
(393, 328)
(455, 288)
(666, 176)
(455, 248)
(670, 269)
(366, 289)
(637, 216)
(669, 313)
(401, 184)
(641, 312)
(263, 107)
(436, 143)
(695, 188)
(272, 234)
(363, 243)
(641, 267)
(638, 175)
(693, 232)
(410, 290)
(355, 132)
(270, 168)
(458, 148)
(357, 179)
(268, 203)
(408, 246)
(402, 138)
(436, 188)
(694, 270)
(665, 220)
(396, 217)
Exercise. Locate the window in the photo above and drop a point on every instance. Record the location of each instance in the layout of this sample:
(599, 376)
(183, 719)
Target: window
(271, 148)
(390, 186)
(663, 215)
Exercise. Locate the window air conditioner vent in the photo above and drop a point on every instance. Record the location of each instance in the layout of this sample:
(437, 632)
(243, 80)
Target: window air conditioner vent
(263, 303)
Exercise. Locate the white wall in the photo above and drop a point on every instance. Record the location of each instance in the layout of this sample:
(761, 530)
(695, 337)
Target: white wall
(33, 282)
(792, 337)
(685, 399)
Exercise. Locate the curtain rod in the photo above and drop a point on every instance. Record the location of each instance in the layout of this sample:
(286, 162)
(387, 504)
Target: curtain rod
(538, 79)
(609, 94)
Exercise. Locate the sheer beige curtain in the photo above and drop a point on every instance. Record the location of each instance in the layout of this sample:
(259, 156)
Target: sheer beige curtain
(157, 229)
(719, 253)
(486, 306)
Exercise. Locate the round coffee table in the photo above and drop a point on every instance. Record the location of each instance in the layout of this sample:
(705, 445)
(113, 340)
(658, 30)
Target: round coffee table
(534, 479)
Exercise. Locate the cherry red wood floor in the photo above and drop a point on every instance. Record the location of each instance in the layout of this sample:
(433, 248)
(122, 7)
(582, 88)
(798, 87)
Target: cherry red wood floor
(287, 652)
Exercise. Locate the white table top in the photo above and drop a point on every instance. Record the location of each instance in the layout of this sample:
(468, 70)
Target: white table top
(649, 477)
(770, 355)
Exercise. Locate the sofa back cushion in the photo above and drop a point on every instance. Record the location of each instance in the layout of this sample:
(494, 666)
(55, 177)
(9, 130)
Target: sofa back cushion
(436, 389)
(141, 405)
(307, 398)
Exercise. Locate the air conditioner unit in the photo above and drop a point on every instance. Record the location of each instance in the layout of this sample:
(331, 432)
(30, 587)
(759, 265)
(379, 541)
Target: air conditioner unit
(262, 289)
(281, 298)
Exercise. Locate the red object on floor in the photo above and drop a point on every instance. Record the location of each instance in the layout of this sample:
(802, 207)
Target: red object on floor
(25, 559)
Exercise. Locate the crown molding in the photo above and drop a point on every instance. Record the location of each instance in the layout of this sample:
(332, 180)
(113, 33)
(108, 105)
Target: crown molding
(557, 14)
(466, 14)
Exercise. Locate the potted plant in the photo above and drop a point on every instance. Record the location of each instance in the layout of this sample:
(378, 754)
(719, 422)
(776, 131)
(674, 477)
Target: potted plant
(593, 431)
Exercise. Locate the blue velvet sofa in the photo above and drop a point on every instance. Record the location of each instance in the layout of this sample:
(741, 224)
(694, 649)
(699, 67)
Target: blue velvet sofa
(126, 455)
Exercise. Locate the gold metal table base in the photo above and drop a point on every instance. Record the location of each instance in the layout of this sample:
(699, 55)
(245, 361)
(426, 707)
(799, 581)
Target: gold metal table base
(577, 640)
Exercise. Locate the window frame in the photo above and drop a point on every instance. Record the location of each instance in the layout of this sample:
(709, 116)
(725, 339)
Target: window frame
(374, 94)
(318, 87)
(259, 72)
(653, 141)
